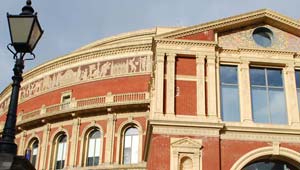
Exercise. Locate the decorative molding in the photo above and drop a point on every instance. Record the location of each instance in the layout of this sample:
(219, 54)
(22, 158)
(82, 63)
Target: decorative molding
(238, 20)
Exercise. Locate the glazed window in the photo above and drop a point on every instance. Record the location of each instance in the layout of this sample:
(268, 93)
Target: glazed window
(65, 101)
(230, 105)
(94, 144)
(61, 152)
(131, 145)
(32, 152)
(297, 74)
(263, 36)
(268, 97)
(270, 165)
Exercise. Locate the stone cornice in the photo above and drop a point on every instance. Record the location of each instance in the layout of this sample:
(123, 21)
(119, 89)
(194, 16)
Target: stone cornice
(262, 51)
(174, 42)
(238, 20)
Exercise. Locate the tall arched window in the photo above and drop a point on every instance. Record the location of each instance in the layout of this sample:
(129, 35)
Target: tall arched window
(131, 146)
(93, 148)
(61, 152)
(32, 152)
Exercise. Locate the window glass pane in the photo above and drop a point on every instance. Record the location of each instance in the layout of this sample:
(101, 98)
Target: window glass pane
(257, 76)
(126, 157)
(277, 106)
(135, 149)
(229, 74)
(230, 103)
(132, 131)
(64, 150)
(127, 141)
(91, 147)
(297, 73)
(59, 151)
(96, 160)
(274, 77)
(260, 104)
(97, 148)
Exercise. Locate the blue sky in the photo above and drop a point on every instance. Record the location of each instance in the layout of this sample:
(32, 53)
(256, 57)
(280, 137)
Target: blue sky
(70, 24)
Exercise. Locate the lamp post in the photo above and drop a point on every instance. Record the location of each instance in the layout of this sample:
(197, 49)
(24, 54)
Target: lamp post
(25, 32)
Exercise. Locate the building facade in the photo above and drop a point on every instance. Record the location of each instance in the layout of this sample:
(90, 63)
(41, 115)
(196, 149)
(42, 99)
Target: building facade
(222, 95)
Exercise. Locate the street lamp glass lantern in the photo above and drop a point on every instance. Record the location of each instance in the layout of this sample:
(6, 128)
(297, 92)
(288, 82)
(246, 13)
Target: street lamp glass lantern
(25, 32)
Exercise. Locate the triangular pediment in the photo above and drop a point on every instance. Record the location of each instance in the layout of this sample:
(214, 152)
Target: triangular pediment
(263, 16)
(186, 142)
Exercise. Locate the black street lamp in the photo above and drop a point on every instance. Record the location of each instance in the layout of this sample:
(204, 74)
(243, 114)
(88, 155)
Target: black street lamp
(25, 32)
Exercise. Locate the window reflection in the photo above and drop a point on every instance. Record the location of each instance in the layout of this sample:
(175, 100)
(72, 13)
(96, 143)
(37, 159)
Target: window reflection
(230, 106)
(270, 165)
(61, 152)
(131, 145)
(268, 98)
(93, 148)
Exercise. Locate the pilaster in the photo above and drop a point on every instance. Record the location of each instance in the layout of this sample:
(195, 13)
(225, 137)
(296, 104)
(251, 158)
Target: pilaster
(211, 87)
(22, 147)
(291, 95)
(200, 68)
(74, 142)
(159, 83)
(170, 108)
(44, 150)
(110, 133)
(245, 92)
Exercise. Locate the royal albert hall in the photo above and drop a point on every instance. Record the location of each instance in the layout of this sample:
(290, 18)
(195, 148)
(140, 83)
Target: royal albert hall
(222, 95)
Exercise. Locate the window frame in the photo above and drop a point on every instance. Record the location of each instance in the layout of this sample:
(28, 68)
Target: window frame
(121, 137)
(228, 84)
(55, 151)
(86, 145)
(268, 87)
(30, 146)
(64, 104)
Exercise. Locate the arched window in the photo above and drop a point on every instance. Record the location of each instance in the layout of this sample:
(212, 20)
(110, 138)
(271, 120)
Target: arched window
(270, 165)
(94, 145)
(61, 152)
(131, 145)
(32, 152)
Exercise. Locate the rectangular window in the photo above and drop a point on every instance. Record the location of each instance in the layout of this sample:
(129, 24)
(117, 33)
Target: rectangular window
(230, 105)
(268, 97)
(66, 99)
(297, 75)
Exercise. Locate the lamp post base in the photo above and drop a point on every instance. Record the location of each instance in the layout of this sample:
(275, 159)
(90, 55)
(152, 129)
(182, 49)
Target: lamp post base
(8, 147)
(12, 162)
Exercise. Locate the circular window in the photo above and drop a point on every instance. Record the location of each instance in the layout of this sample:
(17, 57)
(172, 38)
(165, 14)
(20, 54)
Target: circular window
(263, 36)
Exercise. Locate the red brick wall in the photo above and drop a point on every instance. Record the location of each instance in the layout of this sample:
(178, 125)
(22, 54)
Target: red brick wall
(204, 36)
(185, 66)
(232, 150)
(159, 153)
(91, 89)
(185, 101)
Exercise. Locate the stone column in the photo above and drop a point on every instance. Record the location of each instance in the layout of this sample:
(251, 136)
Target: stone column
(211, 87)
(74, 142)
(245, 92)
(170, 108)
(200, 61)
(291, 95)
(110, 133)
(44, 147)
(159, 83)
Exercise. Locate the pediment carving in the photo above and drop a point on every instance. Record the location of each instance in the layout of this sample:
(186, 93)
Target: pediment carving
(186, 143)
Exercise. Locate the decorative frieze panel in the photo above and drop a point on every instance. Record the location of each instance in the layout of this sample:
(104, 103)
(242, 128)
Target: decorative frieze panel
(84, 73)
